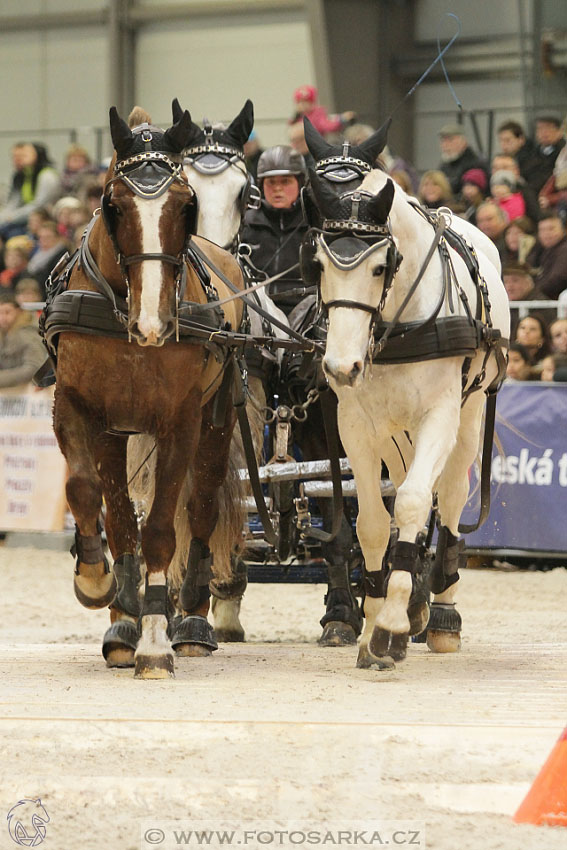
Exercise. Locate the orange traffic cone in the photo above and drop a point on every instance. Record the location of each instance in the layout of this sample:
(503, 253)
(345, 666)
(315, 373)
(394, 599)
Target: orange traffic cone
(546, 801)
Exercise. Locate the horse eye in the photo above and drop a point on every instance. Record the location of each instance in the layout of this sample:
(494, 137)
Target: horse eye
(378, 271)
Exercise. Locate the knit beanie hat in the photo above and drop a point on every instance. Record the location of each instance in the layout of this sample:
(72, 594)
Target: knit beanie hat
(506, 177)
(477, 177)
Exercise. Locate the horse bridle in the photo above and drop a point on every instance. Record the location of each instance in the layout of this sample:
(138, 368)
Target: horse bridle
(211, 157)
(149, 175)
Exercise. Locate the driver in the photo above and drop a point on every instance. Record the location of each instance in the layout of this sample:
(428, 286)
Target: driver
(275, 231)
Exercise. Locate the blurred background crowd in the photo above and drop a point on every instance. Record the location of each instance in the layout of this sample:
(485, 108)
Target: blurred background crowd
(518, 199)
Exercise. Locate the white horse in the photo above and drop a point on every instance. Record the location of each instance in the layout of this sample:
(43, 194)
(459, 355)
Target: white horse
(370, 252)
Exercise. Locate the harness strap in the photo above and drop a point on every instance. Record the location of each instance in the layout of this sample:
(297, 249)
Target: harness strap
(486, 465)
(293, 334)
(88, 263)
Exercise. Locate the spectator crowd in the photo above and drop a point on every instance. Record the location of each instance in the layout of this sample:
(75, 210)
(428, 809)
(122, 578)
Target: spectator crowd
(518, 199)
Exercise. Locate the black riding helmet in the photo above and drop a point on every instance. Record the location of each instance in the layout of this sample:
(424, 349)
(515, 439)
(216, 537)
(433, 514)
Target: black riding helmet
(281, 160)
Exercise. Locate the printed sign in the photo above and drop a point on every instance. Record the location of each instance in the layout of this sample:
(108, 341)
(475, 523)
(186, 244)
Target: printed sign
(33, 469)
(529, 472)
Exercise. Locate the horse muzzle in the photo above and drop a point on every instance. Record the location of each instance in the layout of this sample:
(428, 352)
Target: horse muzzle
(154, 334)
(345, 373)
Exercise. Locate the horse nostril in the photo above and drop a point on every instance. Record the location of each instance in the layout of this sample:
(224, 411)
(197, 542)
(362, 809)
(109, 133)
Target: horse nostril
(356, 370)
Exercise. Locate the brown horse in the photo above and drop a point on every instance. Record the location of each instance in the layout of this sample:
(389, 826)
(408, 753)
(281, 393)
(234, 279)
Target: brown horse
(144, 381)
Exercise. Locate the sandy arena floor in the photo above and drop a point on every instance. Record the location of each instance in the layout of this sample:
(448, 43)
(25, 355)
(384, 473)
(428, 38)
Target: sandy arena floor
(277, 733)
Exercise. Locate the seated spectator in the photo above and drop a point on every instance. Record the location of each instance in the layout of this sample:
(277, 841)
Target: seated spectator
(550, 364)
(252, 153)
(505, 162)
(21, 349)
(93, 198)
(493, 221)
(504, 191)
(473, 192)
(69, 213)
(77, 170)
(550, 141)
(52, 246)
(558, 333)
(519, 367)
(519, 238)
(17, 254)
(36, 219)
(549, 256)
(533, 333)
(28, 291)
(35, 183)
(297, 142)
(403, 179)
(457, 156)
(513, 141)
(435, 190)
(553, 195)
(305, 98)
(519, 284)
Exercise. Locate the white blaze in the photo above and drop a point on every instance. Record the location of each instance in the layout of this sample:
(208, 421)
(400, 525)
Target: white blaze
(152, 270)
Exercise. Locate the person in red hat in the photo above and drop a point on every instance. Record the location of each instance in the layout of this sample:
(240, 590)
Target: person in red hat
(474, 186)
(305, 98)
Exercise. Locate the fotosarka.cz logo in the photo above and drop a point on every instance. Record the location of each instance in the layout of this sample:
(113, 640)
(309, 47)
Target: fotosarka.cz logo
(171, 835)
(26, 823)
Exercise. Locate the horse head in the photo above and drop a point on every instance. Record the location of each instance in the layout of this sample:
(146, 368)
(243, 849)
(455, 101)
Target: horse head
(356, 257)
(343, 166)
(148, 209)
(214, 165)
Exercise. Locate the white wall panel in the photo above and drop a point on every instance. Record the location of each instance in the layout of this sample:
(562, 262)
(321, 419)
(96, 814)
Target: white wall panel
(477, 18)
(213, 65)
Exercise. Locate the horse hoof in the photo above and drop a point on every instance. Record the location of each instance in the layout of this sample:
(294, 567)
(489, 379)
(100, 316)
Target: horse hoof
(337, 633)
(155, 666)
(229, 635)
(366, 660)
(94, 585)
(194, 630)
(418, 615)
(398, 647)
(379, 643)
(192, 650)
(443, 641)
(119, 644)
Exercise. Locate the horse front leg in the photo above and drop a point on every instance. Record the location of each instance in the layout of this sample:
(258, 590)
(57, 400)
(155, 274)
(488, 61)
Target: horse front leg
(433, 442)
(77, 430)
(444, 627)
(194, 635)
(154, 658)
(342, 620)
(120, 640)
(372, 526)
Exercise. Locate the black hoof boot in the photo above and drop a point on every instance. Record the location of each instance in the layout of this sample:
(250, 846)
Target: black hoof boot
(194, 636)
(444, 628)
(119, 644)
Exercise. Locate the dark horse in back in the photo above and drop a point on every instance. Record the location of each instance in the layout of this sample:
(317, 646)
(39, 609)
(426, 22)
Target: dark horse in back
(145, 373)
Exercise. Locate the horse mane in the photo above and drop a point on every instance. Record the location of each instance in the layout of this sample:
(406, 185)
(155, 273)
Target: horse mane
(138, 116)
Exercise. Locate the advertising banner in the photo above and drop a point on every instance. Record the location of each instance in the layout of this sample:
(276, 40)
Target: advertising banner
(529, 471)
(33, 470)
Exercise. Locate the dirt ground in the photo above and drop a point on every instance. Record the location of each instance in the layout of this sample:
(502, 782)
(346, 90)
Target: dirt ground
(278, 733)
